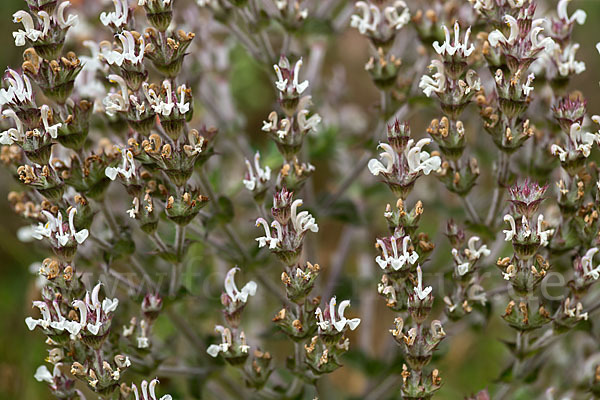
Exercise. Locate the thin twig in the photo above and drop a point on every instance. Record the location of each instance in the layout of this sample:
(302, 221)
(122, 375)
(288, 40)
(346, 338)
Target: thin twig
(381, 390)
(471, 210)
(338, 261)
(190, 334)
(109, 217)
(182, 370)
(158, 242)
(498, 191)
(176, 268)
(141, 270)
(348, 180)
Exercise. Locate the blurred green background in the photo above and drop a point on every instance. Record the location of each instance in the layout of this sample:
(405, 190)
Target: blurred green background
(474, 359)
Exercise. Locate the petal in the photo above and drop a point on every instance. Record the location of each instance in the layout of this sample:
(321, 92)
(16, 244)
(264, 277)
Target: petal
(213, 350)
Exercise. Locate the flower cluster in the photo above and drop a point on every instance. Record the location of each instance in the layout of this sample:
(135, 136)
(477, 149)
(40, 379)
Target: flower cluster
(454, 84)
(402, 282)
(468, 291)
(403, 160)
(233, 346)
(285, 235)
(289, 130)
(382, 22)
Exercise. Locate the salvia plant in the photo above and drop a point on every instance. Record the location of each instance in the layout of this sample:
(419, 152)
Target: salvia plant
(208, 181)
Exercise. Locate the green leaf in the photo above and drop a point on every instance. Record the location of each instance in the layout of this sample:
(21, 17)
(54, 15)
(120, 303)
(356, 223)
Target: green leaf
(506, 375)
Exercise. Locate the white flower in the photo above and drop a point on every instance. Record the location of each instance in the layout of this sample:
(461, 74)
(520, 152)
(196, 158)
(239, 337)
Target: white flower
(461, 267)
(45, 17)
(574, 312)
(196, 143)
(285, 128)
(546, 43)
(557, 150)
(160, 106)
(388, 291)
(118, 17)
(451, 306)
(127, 169)
(419, 160)
(395, 18)
(448, 49)
(395, 260)
(281, 4)
(389, 156)
(42, 374)
(302, 221)
(243, 345)
(435, 83)
(283, 84)
(29, 33)
(472, 84)
(45, 230)
(47, 321)
(128, 45)
(232, 291)
(106, 52)
(19, 89)
(52, 130)
(512, 231)
(580, 141)
(369, 20)
(338, 324)
(579, 15)
(257, 174)
(543, 234)
(475, 254)
(477, 293)
(310, 124)
(61, 235)
(271, 123)
(214, 349)
(588, 266)
(142, 342)
(509, 273)
(135, 209)
(268, 239)
(527, 88)
(496, 37)
(81, 235)
(479, 5)
(565, 60)
(142, 339)
(97, 312)
(117, 102)
(71, 20)
(54, 227)
(149, 391)
(583, 141)
(300, 87)
(419, 291)
(182, 106)
(12, 135)
(114, 103)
